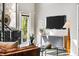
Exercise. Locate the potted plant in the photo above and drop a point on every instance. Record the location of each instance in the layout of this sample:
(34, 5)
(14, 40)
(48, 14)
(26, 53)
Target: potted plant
(31, 39)
(42, 31)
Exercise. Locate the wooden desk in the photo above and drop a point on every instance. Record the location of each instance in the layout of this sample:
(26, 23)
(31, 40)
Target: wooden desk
(26, 51)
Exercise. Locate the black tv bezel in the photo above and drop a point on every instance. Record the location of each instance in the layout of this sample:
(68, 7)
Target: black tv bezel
(56, 16)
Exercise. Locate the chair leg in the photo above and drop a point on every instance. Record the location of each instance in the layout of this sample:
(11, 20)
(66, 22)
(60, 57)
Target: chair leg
(45, 52)
(57, 51)
(42, 53)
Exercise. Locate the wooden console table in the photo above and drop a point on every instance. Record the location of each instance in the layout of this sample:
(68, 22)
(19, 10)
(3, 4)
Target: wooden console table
(26, 51)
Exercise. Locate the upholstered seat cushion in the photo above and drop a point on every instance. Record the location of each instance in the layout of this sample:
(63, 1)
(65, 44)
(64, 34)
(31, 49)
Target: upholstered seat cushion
(8, 45)
(2, 50)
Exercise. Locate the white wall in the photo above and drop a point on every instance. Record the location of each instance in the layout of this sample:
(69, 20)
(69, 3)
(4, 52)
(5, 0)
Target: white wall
(0, 15)
(78, 25)
(10, 10)
(44, 10)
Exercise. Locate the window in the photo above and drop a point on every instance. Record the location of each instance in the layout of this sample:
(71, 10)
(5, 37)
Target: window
(24, 27)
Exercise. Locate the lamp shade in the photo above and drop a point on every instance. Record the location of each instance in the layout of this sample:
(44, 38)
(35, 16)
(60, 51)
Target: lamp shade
(68, 24)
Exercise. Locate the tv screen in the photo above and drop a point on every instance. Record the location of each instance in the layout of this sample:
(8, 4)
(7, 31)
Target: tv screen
(55, 22)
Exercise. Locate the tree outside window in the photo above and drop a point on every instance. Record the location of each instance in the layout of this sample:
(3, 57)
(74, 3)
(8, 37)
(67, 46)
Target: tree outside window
(24, 27)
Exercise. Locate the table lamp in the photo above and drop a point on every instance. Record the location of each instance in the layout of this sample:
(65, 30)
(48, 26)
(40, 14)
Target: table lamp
(68, 26)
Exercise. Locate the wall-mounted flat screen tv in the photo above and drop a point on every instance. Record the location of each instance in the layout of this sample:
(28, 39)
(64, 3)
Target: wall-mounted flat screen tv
(55, 22)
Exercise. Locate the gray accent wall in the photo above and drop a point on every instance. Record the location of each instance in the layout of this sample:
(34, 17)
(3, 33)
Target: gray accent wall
(55, 41)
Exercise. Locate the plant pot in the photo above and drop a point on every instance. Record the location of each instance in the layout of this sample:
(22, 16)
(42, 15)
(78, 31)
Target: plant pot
(31, 42)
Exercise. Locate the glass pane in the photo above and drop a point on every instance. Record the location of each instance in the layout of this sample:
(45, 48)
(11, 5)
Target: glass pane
(24, 27)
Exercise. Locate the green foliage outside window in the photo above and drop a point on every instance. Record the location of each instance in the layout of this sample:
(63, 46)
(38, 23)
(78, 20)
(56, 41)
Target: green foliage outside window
(24, 27)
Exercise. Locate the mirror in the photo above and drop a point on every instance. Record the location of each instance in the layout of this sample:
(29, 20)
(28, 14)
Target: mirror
(7, 20)
(10, 14)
